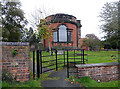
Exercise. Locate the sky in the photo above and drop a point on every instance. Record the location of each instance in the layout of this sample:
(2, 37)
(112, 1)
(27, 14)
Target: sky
(85, 10)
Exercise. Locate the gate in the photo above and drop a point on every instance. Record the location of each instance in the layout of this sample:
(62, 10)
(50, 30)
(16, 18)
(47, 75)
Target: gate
(46, 62)
(74, 56)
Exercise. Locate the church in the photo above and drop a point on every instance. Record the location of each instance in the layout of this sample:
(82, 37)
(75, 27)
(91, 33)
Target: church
(66, 31)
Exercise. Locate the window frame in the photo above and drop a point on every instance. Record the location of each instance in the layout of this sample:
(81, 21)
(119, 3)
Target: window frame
(57, 30)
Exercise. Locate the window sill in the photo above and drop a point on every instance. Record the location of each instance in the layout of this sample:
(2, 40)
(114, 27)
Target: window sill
(63, 42)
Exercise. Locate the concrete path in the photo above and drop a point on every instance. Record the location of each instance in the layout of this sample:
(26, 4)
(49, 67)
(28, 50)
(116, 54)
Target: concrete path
(59, 82)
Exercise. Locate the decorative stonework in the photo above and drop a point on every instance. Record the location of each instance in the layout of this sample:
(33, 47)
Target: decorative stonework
(19, 64)
(100, 71)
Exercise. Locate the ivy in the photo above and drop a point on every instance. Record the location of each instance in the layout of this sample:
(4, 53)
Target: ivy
(14, 52)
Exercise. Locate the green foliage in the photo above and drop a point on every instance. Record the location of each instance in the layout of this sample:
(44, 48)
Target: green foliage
(6, 76)
(109, 18)
(91, 41)
(44, 31)
(14, 52)
(13, 21)
(31, 37)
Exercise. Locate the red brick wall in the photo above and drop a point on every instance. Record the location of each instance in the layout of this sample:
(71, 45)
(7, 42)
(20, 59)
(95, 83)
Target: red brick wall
(74, 35)
(19, 64)
(84, 47)
(103, 72)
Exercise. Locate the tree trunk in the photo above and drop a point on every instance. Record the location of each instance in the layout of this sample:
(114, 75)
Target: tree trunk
(49, 47)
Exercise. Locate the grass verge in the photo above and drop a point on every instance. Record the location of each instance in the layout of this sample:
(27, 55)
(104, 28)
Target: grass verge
(31, 83)
(89, 82)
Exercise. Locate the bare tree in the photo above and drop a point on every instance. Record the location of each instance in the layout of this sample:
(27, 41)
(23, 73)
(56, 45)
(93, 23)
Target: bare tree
(38, 14)
(35, 20)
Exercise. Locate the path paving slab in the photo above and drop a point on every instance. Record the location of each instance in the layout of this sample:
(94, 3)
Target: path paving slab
(59, 82)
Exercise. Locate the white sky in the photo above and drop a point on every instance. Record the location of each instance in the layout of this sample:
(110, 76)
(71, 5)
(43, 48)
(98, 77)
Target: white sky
(85, 10)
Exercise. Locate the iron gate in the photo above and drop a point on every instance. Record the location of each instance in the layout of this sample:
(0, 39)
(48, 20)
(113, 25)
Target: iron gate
(69, 58)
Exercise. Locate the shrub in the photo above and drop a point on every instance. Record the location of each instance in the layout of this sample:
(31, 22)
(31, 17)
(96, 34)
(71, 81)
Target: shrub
(6, 76)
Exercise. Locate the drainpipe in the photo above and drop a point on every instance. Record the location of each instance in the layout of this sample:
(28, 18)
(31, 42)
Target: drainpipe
(77, 37)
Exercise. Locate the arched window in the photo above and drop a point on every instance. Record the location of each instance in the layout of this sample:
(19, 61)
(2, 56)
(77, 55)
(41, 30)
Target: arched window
(62, 33)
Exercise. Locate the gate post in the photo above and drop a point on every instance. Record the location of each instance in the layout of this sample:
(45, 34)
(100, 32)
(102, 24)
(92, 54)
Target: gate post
(38, 66)
(64, 58)
(74, 57)
(83, 57)
(56, 60)
(67, 66)
(40, 62)
(34, 65)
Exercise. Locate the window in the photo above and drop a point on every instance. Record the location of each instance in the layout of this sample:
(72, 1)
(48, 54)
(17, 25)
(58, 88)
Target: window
(62, 33)
(69, 36)
(54, 36)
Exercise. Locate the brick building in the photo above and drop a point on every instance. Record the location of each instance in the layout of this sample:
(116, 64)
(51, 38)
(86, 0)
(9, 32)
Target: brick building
(83, 46)
(66, 31)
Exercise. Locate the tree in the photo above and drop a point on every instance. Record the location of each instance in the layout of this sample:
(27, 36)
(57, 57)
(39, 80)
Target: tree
(91, 41)
(13, 21)
(109, 17)
(31, 37)
(45, 31)
(36, 15)
(43, 26)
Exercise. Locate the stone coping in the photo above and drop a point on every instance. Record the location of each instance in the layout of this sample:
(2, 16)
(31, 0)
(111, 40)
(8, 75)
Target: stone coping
(14, 43)
(97, 65)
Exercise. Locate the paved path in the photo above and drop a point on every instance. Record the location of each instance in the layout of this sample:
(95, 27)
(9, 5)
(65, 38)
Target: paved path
(58, 82)
(62, 74)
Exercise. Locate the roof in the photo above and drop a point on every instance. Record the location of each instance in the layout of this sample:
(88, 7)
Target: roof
(61, 15)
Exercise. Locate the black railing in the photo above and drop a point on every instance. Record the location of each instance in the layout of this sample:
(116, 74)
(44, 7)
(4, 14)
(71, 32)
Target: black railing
(70, 56)
(33, 64)
(72, 60)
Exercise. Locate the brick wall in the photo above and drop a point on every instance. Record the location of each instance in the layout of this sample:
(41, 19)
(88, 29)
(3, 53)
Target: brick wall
(100, 71)
(19, 64)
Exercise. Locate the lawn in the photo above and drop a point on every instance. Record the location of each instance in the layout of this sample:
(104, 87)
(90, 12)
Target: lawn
(101, 56)
(92, 57)
(89, 83)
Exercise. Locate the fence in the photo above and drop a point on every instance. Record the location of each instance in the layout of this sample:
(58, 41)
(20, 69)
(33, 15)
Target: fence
(58, 58)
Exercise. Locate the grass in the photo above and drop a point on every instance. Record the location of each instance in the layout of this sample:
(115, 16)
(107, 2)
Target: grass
(101, 56)
(89, 82)
(93, 57)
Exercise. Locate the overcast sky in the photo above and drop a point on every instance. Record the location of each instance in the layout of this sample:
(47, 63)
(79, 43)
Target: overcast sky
(85, 10)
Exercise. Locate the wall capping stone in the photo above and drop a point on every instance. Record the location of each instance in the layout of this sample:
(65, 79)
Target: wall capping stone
(14, 43)
(97, 64)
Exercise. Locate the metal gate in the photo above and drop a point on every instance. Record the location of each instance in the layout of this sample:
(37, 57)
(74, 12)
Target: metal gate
(47, 62)
(74, 56)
